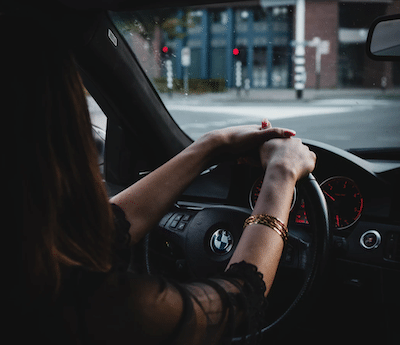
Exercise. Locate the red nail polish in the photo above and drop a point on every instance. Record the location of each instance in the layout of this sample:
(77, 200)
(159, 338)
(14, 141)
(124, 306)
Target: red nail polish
(264, 124)
(289, 133)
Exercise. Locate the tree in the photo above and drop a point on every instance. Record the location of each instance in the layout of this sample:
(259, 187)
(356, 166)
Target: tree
(173, 22)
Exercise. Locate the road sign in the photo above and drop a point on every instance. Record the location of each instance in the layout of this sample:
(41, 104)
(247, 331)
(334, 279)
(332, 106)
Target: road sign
(185, 57)
(324, 47)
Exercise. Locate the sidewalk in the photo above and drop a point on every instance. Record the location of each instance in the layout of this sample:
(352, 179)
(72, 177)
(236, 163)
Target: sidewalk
(282, 95)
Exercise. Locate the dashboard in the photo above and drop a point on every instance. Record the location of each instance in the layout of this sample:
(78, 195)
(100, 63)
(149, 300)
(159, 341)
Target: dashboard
(361, 197)
(360, 284)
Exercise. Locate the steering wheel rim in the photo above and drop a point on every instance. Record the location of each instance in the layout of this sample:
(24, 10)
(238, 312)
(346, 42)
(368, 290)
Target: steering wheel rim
(317, 213)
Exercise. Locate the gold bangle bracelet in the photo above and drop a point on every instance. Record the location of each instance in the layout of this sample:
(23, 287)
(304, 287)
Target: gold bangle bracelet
(272, 222)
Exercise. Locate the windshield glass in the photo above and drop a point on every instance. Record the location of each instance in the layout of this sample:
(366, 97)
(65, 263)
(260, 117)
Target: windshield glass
(303, 66)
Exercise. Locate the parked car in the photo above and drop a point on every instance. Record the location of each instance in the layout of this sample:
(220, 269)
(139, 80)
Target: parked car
(338, 281)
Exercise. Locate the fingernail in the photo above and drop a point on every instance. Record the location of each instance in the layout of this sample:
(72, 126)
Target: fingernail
(289, 133)
(265, 124)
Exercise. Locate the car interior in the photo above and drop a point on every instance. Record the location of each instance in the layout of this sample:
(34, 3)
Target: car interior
(339, 277)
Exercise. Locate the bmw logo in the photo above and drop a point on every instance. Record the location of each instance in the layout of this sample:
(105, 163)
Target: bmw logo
(221, 242)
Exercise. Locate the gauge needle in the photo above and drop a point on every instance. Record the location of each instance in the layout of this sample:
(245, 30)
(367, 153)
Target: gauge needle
(329, 196)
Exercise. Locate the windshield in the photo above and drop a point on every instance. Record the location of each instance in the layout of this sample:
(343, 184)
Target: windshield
(303, 66)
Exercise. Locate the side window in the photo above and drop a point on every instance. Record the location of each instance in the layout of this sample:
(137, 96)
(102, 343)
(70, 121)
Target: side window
(99, 126)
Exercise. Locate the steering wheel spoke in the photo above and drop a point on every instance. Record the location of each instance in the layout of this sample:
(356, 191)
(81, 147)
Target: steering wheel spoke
(297, 250)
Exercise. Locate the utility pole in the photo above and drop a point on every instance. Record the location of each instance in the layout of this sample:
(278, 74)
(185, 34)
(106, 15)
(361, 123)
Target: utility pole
(300, 51)
(185, 62)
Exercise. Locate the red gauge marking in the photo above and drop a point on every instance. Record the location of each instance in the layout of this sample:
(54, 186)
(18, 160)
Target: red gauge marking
(344, 199)
(301, 215)
(347, 204)
(329, 196)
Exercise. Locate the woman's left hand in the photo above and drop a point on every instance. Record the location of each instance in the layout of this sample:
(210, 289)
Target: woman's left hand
(241, 139)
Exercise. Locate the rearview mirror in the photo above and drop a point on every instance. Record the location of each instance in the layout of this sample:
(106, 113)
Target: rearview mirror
(383, 42)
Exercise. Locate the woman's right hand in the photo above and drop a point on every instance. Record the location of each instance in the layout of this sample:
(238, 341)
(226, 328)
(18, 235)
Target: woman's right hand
(289, 156)
(286, 160)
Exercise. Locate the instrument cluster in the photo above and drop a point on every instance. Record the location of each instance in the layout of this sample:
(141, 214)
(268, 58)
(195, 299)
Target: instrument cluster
(343, 197)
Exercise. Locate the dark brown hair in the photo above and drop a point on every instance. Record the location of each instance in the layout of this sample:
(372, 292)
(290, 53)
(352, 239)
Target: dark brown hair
(67, 219)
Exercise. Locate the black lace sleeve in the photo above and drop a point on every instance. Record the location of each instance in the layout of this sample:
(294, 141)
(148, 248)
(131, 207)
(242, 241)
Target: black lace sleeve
(250, 299)
(126, 307)
(134, 308)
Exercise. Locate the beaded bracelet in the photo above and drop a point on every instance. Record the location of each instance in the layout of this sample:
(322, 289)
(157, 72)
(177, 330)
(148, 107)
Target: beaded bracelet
(272, 222)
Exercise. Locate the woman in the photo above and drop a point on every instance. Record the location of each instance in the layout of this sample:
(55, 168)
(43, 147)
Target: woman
(75, 287)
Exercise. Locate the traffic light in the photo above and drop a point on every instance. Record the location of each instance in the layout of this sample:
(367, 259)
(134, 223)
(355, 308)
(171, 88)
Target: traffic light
(166, 52)
(235, 51)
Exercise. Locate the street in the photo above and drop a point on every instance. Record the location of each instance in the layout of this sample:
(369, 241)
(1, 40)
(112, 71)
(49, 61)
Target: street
(346, 122)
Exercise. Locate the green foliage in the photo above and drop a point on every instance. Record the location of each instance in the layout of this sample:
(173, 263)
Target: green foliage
(171, 21)
(195, 85)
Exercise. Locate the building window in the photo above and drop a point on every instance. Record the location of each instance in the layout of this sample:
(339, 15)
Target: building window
(260, 75)
(354, 21)
(352, 15)
(242, 15)
(351, 64)
(260, 14)
(219, 16)
(218, 63)
(280, 67)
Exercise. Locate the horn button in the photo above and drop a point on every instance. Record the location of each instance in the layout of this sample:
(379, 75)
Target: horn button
(211, 238)
(221, 242)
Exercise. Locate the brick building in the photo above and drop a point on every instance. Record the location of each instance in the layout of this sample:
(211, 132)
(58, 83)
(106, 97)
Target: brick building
(345, 26)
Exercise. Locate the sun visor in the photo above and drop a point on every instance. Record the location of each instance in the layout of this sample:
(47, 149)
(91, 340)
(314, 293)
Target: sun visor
(53, 20)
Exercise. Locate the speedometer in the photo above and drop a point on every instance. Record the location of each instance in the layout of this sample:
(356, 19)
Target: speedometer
(255, 192)
(344, 199)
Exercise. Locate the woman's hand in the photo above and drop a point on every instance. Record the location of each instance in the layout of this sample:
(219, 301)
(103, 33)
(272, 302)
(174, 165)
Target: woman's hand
(240, 139)
(289, 157)
(286, 160)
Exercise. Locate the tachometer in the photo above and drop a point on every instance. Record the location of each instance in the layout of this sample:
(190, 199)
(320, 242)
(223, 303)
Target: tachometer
(344, 200)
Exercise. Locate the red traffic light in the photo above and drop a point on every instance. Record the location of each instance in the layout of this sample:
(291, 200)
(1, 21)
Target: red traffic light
(235, 51)
(165, 49)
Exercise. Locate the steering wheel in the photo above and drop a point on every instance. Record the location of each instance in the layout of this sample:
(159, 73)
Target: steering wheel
(208, 235)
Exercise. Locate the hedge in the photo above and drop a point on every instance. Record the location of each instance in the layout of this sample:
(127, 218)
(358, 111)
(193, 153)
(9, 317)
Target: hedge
(195, 85)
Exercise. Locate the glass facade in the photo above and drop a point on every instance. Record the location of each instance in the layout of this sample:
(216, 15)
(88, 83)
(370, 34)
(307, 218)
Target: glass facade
(260, 38)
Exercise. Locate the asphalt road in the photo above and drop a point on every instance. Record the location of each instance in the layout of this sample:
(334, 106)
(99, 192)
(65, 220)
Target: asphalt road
(345, 123)
(342, 122)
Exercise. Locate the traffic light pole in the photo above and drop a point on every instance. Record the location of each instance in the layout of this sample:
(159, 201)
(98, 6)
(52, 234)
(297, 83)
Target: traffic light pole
(300, 52)
(238, 77)
(170, 77)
